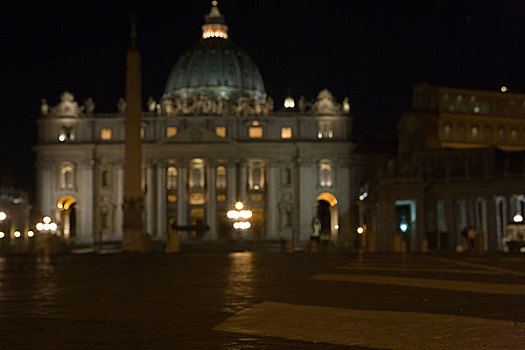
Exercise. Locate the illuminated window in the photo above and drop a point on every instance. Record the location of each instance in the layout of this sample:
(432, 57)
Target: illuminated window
(447, 131)
(286, 132)
(325, 173)
(474, 132)
(105, 134)
(171, 178)
(172, 198)
(256, 132)
(514, 135)
(221, 181)
(325, 130)
(67, 174)
(256, 175)
(171, 131)
(221, 198)
(196, 174)
(220, 131)
(142, 132)
(66, 134)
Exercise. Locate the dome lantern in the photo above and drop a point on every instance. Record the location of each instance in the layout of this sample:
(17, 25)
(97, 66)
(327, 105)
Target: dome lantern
(214, 26)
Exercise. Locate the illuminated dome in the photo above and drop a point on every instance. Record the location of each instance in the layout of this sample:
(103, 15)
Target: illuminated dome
(215, 67)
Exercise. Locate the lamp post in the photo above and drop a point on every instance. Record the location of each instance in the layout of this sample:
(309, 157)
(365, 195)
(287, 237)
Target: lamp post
(3, 216)
(240, 217)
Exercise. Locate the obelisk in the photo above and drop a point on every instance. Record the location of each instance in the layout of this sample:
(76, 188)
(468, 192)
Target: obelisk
(133, 239)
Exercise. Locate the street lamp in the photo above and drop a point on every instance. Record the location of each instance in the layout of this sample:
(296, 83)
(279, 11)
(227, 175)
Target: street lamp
(240, 216)
(46, 226)
(3, 216)
(518, 218)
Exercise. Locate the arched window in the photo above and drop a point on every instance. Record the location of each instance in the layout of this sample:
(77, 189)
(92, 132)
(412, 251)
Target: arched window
(196, 175)
(474, 132)
(67, 175)
(171, 178)
(325, 173)
(447, 131)
(221, 178)
(256, 178)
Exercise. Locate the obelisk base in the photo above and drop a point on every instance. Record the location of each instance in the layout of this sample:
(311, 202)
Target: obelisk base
(133, 239)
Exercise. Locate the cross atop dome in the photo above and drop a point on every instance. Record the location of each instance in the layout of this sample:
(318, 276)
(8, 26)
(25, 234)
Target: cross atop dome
(214, 26)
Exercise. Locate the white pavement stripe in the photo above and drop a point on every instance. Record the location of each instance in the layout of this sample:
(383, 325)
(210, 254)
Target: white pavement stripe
(463, 286)
(482, 266)
(412, 269)
(375, 329)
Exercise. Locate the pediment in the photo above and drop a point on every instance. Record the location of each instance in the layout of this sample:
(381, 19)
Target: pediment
(197, 134)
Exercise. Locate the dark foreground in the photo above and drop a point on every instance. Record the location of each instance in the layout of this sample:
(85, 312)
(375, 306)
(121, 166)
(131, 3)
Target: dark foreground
(262, 300)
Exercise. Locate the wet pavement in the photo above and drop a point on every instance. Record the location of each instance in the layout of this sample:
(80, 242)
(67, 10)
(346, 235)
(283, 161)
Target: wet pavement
(196, 300)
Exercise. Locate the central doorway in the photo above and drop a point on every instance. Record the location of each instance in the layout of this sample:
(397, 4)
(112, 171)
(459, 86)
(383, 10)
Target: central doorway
(327, 216)
(67, 218)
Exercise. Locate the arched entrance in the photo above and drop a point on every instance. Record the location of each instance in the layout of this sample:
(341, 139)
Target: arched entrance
(67, 218)
(328, 217)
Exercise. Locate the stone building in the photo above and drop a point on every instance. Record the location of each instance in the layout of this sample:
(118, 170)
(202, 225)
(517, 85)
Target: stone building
(460, 165)
(214, 137)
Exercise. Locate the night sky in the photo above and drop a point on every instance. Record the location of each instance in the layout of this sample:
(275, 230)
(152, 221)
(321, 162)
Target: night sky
(370, 51)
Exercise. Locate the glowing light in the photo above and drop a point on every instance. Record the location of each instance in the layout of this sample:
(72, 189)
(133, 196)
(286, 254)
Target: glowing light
(60, 206)
(517, 218)
(319, 135)
(30, 233)
(46, 219)
(245, 214)
(2, 235)
(214, 3)
(504, 89)
(289, 102)
(232, 214)
(17, 234)
(40, 226)
(3, 216)
(360, 230)
(403, 227)
(52, 226)
(243, 225)
(46, 227)
(239, 205)
(336, 227)
(62, 137)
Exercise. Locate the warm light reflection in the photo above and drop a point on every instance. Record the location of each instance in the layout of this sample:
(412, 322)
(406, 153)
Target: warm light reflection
(239, 291)
(239, 205)
(214, 30)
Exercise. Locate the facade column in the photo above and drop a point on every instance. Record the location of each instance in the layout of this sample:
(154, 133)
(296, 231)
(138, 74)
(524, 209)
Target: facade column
(150, 199)
(47, 184)
(162, 218)
(232, 185)
(85, 233)
(211, 205)
(119, 212)
(272, 185)
(182, 193)
(243, 196)
(304, 198)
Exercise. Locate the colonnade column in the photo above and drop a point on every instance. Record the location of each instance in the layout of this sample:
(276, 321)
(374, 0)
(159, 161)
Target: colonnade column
(243, 196)
(182, 200)
(119, 213)
(272, 185)
(85, 233)
(150, 199)
(162, 219)
(232, 184)
(211, 207)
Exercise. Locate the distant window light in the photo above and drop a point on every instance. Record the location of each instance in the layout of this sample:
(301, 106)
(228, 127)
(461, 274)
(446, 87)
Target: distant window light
(326, 130)
(106, 134)
(66, 134)
(221, 181)
(504, 89)
(171, 131)
(142, 132)
(66, 177)
(319, 135)
(286, 132)
(220, 131)
(476, 109)
(289, 102)
(325, 173)
(474, 132)
(171, 178)
(172, 198)
(255, 132)
(256, 123)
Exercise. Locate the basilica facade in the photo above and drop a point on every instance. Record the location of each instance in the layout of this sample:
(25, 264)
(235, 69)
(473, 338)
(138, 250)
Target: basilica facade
(215, 137)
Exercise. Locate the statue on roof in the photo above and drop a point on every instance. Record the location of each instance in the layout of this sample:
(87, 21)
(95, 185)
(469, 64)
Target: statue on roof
(325, 104)
(67, 107)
